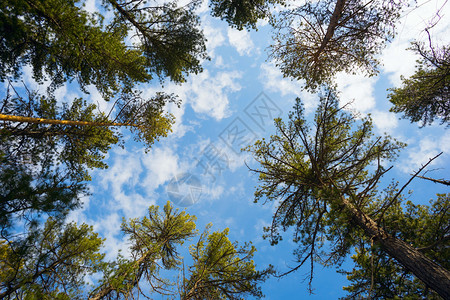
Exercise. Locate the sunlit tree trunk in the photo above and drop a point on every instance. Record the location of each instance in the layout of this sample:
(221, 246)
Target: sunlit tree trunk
(22, 119)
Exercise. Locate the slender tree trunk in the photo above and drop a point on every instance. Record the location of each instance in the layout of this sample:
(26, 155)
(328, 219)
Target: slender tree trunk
(22, 119)
(433, 275)
(337, 13)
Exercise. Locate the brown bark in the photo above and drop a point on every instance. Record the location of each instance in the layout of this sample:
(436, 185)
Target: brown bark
(338, 9)
(433, 275)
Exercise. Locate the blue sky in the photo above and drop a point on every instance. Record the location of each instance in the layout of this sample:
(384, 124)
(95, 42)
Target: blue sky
(238, 83)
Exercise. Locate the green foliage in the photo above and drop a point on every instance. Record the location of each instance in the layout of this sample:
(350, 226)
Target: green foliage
(325, 180)
(378, 276)
(50, 263)
(169, 36)
(242, 13)
(27, 194)
(153, 240)
(146, 117)
(308, 169)
(59, 38)
(43, 167)
(317, 40)
(63, 41)
(64, 153)
(81, 146)
(160, 233)
(425, 96)
(222, 269)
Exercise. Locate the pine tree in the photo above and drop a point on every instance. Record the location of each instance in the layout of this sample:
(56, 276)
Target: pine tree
(62, 42)
(316, 40)
(326, 178)
(425, 96)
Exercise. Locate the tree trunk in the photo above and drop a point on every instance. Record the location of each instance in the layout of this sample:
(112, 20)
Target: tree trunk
(331, 27)
(22, 119)
(433, 275)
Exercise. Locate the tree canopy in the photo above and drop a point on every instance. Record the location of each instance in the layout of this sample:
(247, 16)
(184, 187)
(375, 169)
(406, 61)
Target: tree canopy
(316, 40)
(222, 269)
(378, 276)
(50, 262)
(243, 13)
(62, 42)
(326, 179)
(47, 147)
(425, 96)
(59, 256)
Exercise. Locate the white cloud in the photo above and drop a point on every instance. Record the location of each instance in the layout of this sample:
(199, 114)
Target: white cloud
(399, 61)
(30, 83)
(109, 228)
(122, 181)
(213, 35)
(206, 93)
(179, 129)
(97, 99)
(91, 6)
(426, 148)
(273, 80)
(78, 215)
(211, 192)
(161, 165)
(384, 121)
(125, 170)
(357, 90)
(219, 62)
(240, 40)
(262, 22)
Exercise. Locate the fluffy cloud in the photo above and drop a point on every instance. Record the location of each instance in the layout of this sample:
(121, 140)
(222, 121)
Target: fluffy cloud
(357, 90)
(241, 41)
(206, 93)
(161, 165)
(90, 6)
(125, 170)
(396, 59)
(424, 149)
(110, 227)
(273, 80)
(213, 35)
(384, 121)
